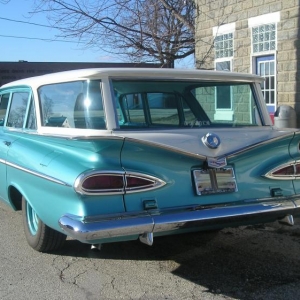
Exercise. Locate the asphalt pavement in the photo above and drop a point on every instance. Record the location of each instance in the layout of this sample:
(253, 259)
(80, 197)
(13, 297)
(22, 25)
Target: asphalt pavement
(253, 262)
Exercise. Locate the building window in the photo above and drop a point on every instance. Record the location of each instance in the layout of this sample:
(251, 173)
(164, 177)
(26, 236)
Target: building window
(223, 55)
(224, 65)
(263, 48)
(266, 68)
(224, 45)
(264, 38)
(223, 62)
(223, 95)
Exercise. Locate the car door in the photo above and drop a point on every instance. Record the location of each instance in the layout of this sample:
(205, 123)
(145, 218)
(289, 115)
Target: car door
(4, 100)
(13, 110)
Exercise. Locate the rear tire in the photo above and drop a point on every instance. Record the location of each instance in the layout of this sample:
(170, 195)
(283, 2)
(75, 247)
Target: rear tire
(38, 235)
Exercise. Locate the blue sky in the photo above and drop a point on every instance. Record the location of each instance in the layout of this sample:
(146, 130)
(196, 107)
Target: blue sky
(20, 41)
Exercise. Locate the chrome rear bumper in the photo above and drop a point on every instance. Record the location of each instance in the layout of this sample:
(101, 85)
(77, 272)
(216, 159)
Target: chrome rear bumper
(145, 223)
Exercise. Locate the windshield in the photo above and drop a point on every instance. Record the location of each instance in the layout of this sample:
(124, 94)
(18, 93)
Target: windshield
(142, 103)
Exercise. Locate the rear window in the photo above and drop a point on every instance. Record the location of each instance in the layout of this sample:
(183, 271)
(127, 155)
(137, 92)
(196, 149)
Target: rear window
(184, 104)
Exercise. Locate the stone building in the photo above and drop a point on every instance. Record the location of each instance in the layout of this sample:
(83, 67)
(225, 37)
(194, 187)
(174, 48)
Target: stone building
(253, 36)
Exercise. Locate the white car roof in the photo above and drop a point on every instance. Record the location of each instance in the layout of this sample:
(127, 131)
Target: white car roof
(154, 73)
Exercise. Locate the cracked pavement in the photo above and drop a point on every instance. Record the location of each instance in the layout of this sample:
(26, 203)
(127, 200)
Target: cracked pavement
(254, 262)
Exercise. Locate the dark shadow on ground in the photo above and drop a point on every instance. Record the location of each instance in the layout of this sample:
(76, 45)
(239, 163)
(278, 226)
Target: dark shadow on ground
(229, 265)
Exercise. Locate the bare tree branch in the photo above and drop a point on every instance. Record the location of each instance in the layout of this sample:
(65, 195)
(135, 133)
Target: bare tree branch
(160, 31)
(141, 30)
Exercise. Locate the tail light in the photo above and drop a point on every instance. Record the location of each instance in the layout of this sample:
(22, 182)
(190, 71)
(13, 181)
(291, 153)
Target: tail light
(287, 171)
(135, 182)
(100, 183)
(103, 182)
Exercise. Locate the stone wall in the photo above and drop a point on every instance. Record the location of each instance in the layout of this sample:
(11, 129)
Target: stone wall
(215, 13)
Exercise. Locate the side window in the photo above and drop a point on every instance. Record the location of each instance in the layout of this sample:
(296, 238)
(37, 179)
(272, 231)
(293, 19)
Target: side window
(163, 109)
(153, 109)
(31, 121)
(17, 110)
(133, 107)
(72, 105)
(3, 107)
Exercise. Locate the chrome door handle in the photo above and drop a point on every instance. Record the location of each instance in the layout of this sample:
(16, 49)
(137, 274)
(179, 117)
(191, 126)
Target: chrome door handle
(7, 143)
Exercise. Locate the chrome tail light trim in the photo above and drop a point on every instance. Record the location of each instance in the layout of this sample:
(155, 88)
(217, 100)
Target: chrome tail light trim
(154, 183)
(295, 174)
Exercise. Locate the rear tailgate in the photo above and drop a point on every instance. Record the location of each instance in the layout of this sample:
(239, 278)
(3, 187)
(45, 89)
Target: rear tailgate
(183, 167)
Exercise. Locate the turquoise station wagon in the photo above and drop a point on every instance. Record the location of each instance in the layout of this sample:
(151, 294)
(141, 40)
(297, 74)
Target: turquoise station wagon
(107, 155)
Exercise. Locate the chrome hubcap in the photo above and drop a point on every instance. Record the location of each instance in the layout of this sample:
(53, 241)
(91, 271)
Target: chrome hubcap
(32, 219)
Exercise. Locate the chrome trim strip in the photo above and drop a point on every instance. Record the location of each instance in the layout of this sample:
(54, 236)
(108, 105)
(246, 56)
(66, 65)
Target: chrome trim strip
(153, 221)
(248, 148)
(166, 147)
(49, 178)
(204, 157)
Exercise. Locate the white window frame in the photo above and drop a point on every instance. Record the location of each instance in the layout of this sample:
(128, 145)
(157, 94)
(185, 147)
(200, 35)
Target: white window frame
(262, 20)
(271, 18)
(221, 30)
(224, 113)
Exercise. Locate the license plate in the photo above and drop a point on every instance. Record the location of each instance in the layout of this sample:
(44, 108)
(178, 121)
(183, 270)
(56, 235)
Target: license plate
(214, 181)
